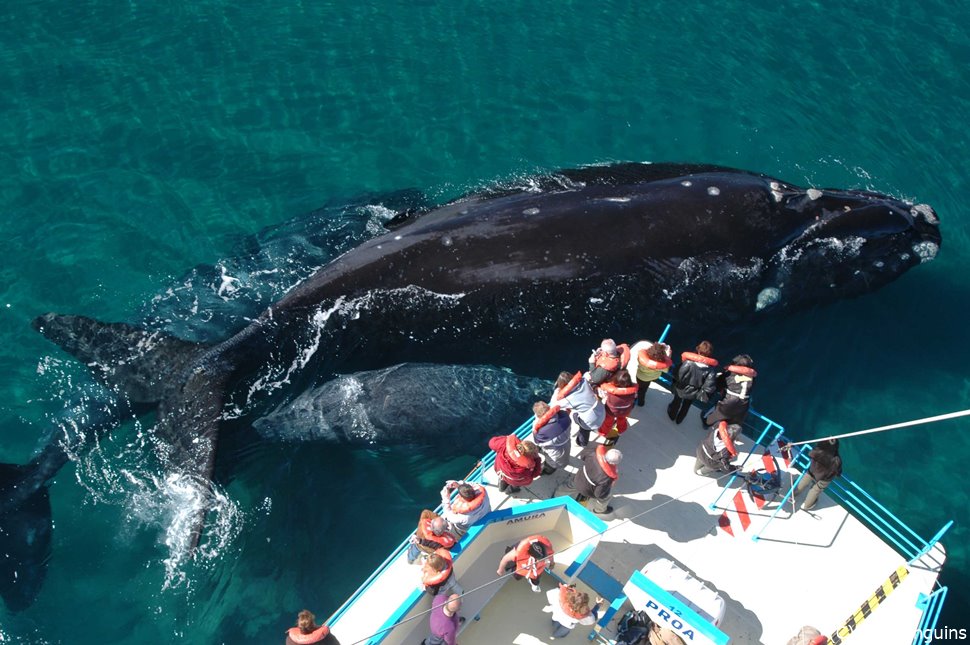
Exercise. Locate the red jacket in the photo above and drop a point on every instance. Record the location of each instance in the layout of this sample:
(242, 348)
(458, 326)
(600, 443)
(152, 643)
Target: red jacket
(512, 473)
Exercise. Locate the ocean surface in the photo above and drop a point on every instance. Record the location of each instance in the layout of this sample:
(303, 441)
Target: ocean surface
(182, 164)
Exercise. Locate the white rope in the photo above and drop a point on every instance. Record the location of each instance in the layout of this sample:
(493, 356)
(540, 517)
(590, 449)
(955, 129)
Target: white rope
(906, 424)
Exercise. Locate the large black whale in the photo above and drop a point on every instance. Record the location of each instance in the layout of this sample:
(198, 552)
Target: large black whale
(567, 255)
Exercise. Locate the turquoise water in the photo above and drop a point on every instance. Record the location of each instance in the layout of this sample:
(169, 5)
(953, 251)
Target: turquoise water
(141, 140)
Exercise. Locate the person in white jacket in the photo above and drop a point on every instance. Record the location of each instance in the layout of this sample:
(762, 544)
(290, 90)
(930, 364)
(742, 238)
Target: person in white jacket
(470, 505)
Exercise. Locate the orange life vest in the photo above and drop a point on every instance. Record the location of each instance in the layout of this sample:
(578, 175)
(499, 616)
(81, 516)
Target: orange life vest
(648, 362)
(544, 419)
(563, 602)
(430, 580)
(464, 506)
(445, 540)
(609, 469)
(612, 363)
(512, 444)
(315, 636)
(525, 563)
(560, 393)
(706, 360)
(725, 436)
(742, 371)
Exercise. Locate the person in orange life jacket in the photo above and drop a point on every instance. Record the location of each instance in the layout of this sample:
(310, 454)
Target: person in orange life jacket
(550, 431)
(619, 394)
(594, 481)
(307, 631)
(826, 465)
(575, 394)
(528, 559)
(432, 533)
(693, 381)
(438, 576)
(651, 363)
(717, 452)
(470, 505)
(606, 361)
(444, 620)
(570, 607)
(808, 635)
(517, 462)
(735, 384)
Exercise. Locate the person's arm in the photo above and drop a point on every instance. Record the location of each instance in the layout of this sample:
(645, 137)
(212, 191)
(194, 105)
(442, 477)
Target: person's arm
(506, 559)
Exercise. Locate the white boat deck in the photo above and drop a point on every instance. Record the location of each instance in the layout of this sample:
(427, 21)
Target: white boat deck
(808, 568)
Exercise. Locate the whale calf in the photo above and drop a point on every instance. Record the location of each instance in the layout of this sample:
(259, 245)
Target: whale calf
(565, 256)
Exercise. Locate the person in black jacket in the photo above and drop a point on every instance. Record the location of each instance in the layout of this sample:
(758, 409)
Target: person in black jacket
(826, 465)
(693, 380)
(594, 481)
(735, 384)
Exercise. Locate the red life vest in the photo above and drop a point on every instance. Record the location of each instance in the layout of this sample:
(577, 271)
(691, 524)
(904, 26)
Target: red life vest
(432, 579)
(445, 540)
(544, 419)
(525, 563)
(691, 356)
(560, 393)
(315, 636)
(646, 361)
(464, 506)
(619, 399)
(563, 602)
(609, 469)
(512, 444)
(742, 371)
(612, 363)
(725, 436)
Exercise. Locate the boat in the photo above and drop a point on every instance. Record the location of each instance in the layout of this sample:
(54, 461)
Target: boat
(712, 559)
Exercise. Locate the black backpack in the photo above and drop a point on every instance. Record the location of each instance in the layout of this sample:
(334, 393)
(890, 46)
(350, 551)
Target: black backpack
(633, 628)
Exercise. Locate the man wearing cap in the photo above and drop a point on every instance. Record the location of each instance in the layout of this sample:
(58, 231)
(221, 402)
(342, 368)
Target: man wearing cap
(594, 481)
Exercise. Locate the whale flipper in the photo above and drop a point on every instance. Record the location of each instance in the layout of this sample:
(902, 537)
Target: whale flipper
(25, 537)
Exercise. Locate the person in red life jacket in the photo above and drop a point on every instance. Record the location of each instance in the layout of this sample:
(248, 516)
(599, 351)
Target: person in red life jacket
(517, 462)
(550, 432)
(438, 576)
(826, 465)
(808, 635)
(619, 395)
(717, 452)
(606, 361)
(594, 481)
(651, 363)
(528, 559)
(470, 505)
(307, 631)
(735, 384)
(444, 620)
(570, 607)
(574, 393)
(432, 533)
(693, 381)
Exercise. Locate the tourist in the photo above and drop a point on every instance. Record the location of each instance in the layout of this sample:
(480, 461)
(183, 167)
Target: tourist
(651, 363)
(693, 381)
(717, 452)
(470, 505)
(619, 395)
(594, 481)
(432, 533)
(570, 607)
(307, 631)
(517, 462)
(574, 393)
(550, 432)
(606, 361)
(735, 384)
(444, 620)
(826, 465)
(528, 559)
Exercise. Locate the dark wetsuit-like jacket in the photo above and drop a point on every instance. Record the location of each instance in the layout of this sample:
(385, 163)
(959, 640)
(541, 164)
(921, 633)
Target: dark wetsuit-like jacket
(591, 480)
(694, 381)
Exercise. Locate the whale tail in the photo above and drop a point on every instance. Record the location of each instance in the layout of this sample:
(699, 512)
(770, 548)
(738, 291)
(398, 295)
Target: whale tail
(184, 381)
(25, 535)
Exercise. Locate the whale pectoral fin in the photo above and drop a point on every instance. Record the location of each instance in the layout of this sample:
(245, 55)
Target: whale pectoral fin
(188, 422)
(129, 359)
(25, 539)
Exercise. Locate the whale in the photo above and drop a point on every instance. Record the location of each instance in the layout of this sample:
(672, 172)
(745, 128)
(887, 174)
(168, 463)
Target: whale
(458, 406)
(556, 259)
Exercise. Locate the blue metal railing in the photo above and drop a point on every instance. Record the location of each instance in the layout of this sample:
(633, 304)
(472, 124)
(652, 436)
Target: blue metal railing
(931, 605)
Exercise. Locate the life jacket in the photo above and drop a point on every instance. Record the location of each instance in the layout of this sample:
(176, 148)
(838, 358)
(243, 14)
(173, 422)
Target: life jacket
(464, 506)
(317, 635)
(569, 387)
(563, 602)
(697, 358)
(525, 563)
(435, 579)
(742, 370)
(612, 363)
(544, 419)
(512, 444)
(740, 384)
(444, 540)
(619, 399)
(609, 469)
(722, 432)
(821, 639)
(645, 360)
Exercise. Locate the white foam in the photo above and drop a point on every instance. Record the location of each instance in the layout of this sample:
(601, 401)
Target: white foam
(713, 191)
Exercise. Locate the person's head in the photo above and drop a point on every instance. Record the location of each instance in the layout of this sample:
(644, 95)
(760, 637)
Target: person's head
(704, 348)
(622, 378)
(743, 360)
(436, 563)
(438, 526)
(613, 456)
(577, 600)
(657, 352)
(453, 604)
(528, 449)
(466, 491)
(539, 408)
(734, 430)
(608, 346)
(537, 550)
(306, 621)
(563, 380)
